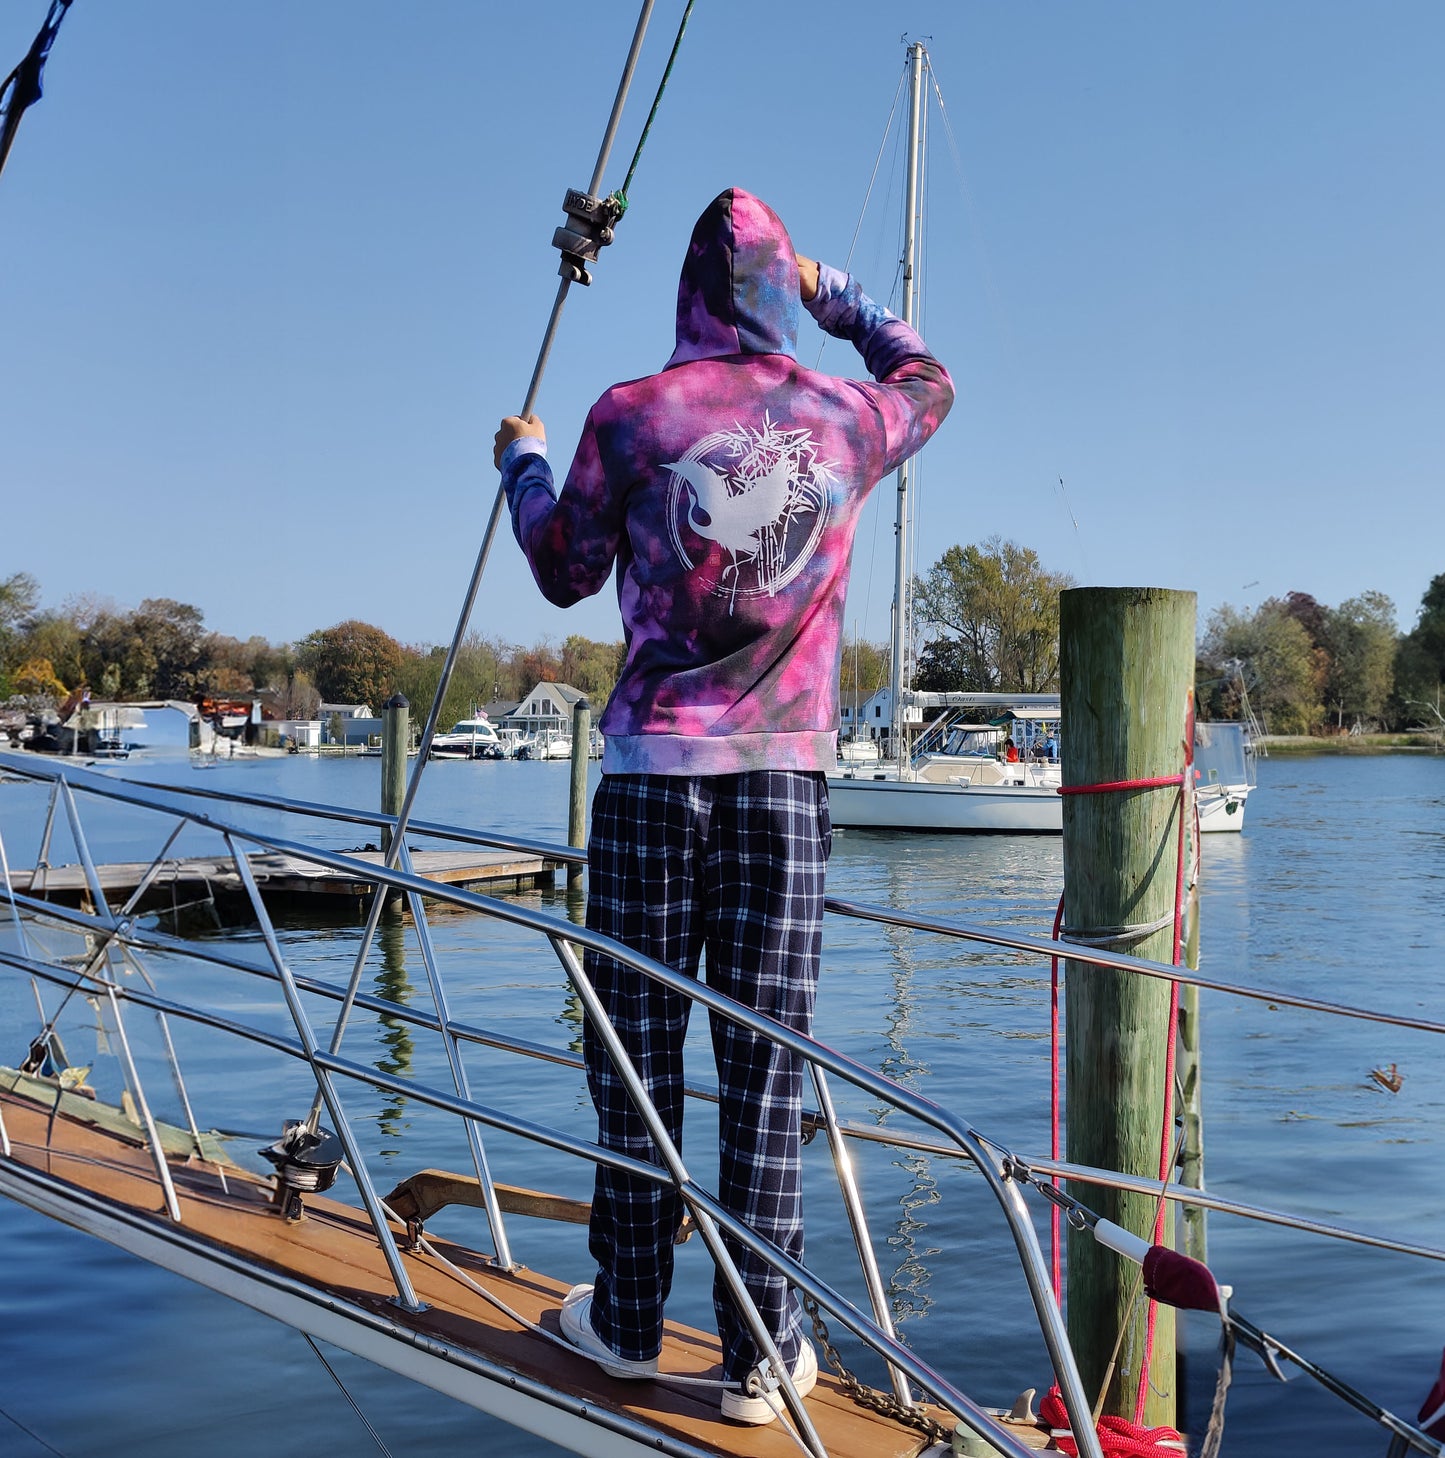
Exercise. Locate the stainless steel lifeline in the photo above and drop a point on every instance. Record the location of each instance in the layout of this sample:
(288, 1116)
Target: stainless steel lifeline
(853, 1201)
(403, 819)
(950, 1136)
(108, 987)
(561, 934)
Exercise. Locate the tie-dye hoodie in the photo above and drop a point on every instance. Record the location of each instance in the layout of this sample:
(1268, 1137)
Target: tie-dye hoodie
(726, 490)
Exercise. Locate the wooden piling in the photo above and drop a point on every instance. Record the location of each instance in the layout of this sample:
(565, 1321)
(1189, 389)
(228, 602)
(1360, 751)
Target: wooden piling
(395, 730)
(577, 802)
(1126, 668)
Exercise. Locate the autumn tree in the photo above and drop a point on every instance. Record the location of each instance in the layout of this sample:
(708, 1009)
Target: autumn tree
(531, 666)
(351, 663)
(476, 680)
(1312, 615)
(1001, 607)
(19, 597)
(170, 634)
(944, 666)
(289, 694)
(1420, 661)
(53, 635)
(591, 666)
(1362, 638)
(1280, 665)
(35, 679)
(862, 671)
(230, 667)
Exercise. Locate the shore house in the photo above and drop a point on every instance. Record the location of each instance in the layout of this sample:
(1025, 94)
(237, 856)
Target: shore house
(349, 724)
(544, 713)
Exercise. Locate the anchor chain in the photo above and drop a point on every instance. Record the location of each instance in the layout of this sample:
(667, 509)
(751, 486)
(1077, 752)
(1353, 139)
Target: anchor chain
(883, 1403)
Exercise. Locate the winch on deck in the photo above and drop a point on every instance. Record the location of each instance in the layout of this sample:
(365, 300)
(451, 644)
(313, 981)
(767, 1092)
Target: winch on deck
(306, 1163)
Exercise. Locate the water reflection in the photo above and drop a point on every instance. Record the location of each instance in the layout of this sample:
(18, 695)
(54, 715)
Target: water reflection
(911, 1277)
(395, 1035)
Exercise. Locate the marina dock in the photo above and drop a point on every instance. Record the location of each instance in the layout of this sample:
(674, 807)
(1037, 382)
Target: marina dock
(281, 879)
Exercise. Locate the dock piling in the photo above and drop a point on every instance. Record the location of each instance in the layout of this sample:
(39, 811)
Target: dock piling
(577, 801)
(1126, 667)
(395, 716)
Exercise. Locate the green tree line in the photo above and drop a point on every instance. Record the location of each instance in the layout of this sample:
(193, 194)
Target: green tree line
(1308, 668)
(162, 650)
(988, 620)
(986, 617)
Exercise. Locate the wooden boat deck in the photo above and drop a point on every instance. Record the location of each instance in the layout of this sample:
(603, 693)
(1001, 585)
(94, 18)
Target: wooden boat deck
(334, 1251)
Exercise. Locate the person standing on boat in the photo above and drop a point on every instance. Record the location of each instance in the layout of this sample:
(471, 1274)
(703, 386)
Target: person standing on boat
(725, 490)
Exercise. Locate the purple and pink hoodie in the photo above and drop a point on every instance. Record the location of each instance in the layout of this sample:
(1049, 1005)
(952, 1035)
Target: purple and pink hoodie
(726, 490)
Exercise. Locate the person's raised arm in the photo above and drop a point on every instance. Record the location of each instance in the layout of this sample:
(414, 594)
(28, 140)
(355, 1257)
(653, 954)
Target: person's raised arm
(916, 390)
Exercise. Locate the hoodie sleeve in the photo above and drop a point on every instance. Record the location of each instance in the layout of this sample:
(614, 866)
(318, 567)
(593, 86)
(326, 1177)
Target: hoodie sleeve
(913, 391)
(570, 541)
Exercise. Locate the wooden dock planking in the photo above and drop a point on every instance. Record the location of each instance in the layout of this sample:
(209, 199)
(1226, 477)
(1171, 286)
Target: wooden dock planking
(280, 878)
(334, 1250)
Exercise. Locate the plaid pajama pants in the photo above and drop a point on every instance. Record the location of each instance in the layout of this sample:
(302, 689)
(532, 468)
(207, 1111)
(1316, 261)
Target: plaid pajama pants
(733, 866)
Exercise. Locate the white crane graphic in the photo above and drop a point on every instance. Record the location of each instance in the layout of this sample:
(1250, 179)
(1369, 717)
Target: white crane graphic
(761, 494)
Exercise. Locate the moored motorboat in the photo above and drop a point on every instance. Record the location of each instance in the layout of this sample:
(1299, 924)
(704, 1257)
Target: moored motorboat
(473, 738)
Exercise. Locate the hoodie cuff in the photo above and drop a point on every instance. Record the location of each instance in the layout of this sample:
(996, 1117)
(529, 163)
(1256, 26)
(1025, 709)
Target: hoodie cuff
(830, 306)
(523, 445)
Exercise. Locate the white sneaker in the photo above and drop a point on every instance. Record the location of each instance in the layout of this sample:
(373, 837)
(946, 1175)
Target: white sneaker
(578, 1329)
(749, 1406)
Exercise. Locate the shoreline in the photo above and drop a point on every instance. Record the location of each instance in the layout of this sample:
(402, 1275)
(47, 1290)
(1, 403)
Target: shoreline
(1281, 744)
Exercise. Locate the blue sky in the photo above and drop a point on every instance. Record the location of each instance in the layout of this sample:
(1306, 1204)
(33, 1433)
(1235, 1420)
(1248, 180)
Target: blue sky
(269, 275)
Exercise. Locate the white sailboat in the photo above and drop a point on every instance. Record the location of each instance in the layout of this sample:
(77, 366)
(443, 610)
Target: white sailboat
(936, 791)
(947, 776)
(957, 756)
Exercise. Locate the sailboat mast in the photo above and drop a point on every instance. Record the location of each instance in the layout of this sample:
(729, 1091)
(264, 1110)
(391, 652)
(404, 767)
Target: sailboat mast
(901, 582)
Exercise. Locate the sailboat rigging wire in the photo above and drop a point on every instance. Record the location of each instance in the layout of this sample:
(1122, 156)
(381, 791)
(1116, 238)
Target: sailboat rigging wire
(375, 1436)
(990, 290)
(916, 466)
(868, 194)
(621, 193)
(30, 1432)
(484, 551)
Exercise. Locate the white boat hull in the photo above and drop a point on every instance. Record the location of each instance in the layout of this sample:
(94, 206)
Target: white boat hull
(863, 803)
(1221, 810)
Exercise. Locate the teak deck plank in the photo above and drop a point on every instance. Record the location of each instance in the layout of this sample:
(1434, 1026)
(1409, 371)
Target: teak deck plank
(333, 1249)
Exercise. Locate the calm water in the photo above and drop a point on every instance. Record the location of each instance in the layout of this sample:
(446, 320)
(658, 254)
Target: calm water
(1335, 888)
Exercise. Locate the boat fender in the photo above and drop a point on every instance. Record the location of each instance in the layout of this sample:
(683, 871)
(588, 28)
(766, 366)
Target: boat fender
(306, 1163)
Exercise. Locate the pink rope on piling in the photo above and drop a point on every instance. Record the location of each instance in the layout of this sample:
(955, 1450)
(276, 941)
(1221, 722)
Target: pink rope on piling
(1117, 1437)
(1156, 782)
(1152, 782)
(1054, 1242)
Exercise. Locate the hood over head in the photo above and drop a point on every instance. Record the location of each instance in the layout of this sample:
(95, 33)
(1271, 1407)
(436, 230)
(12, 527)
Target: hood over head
(739, 287)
